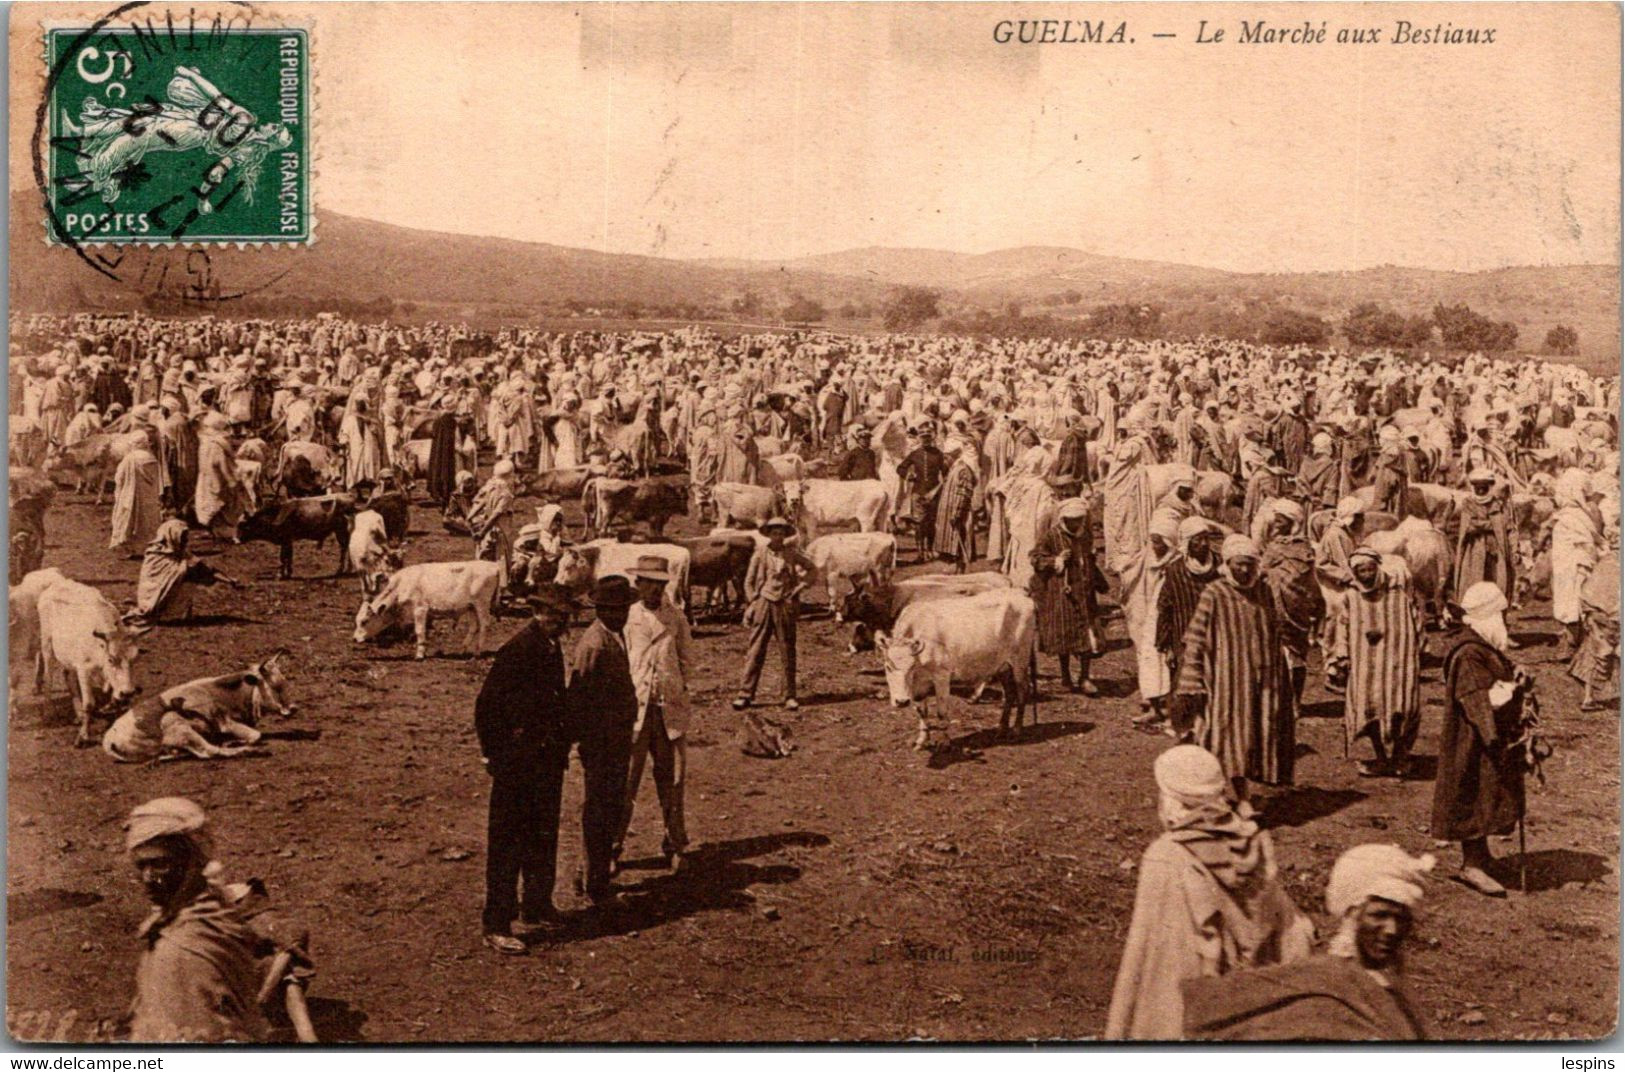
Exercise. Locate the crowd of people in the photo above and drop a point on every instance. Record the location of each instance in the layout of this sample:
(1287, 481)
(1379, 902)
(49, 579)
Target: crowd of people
(1222, 499)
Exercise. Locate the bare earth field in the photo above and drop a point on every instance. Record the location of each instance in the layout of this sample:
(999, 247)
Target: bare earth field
(850, 891)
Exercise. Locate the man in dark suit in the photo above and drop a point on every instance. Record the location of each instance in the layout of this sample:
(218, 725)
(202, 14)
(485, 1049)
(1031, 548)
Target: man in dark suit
(603, 706)
(520, 720)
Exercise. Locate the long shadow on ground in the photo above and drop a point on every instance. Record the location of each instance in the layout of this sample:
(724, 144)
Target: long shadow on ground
(1305, 804)
(969, 747)
(715, 878)
(30, 903)
(1550, 869)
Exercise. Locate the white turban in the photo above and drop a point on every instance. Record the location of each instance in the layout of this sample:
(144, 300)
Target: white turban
(1366, 871)
(1164, 523)
(1189, 773)
(168, 817)
(1238, 546)
(1349, 507)
(1192, 527)
(1482, 600)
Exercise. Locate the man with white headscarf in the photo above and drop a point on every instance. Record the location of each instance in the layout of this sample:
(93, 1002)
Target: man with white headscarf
(1063, 590)
(1379, 651)
(1317, 474)
(1288, 566)
(1332, 553)
(1596, 660)
(218, 497)
(1478, 790)
(1484, 535)
(1142, 581)
(487, 517)
(1352, 992)
(199, 976)
(1207, 903)
(1234, 672)
(1182, 582)
(1576, 536)
(360, 441)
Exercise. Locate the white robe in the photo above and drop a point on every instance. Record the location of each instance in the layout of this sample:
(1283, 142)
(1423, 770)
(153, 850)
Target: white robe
(1142, 584)
(1574, 556)
(137, 505)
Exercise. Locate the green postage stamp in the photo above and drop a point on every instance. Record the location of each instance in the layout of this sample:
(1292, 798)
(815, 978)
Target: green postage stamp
(196, 134)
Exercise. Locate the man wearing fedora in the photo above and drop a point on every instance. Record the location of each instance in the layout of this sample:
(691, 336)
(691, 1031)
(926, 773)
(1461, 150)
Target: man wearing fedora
(659, 646)
(773, 585)
(603, 708)
(519, 718)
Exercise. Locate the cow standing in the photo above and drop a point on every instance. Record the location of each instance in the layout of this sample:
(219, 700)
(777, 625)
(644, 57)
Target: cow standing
(81, 636)
(415, 593)
(856, 557)
(839, 502)
(971, 640)
(313, 519)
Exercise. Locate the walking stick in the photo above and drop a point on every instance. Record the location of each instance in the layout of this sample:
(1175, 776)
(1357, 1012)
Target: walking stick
(1523, 857)
(293, 997)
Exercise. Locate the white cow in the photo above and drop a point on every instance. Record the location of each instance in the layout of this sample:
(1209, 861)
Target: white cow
(585, 563)
(853, 557)
(322, 461)
(783, 468)
(81, 637)
(970, 640)
(182, 720)
(432, 588)
(1427, 557)
(369, 550)
(746, 502)
(1564, 444)
(838, 502)
(24, 621)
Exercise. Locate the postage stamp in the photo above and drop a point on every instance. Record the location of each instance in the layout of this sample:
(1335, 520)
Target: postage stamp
(178, 132)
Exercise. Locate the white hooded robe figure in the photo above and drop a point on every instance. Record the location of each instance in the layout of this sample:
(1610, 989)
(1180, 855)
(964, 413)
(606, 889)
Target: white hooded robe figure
(138, 487)
(358, 437)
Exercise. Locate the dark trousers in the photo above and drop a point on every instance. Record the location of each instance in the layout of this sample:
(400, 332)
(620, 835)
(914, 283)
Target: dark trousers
(606, 751)
(522, 842)
(773, 621)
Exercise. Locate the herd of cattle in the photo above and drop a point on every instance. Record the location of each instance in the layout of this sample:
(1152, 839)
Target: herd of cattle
(933, 632)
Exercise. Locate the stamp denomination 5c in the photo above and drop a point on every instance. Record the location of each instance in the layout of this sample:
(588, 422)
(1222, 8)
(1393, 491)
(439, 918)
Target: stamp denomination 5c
(194, 133)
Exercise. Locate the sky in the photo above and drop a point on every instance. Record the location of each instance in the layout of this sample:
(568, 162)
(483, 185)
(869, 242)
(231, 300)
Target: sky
(776, 131)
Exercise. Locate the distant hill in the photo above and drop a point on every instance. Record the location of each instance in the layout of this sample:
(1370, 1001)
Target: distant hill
(358, 261)
(361, 260)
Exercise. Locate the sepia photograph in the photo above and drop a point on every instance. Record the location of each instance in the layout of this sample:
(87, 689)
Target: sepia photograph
(813, 523)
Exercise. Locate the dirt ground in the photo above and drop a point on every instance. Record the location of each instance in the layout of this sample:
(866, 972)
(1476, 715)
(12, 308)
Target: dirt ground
(851, 891)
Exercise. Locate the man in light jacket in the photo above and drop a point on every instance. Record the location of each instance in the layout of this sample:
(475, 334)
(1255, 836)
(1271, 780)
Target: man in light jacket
(659, 647)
